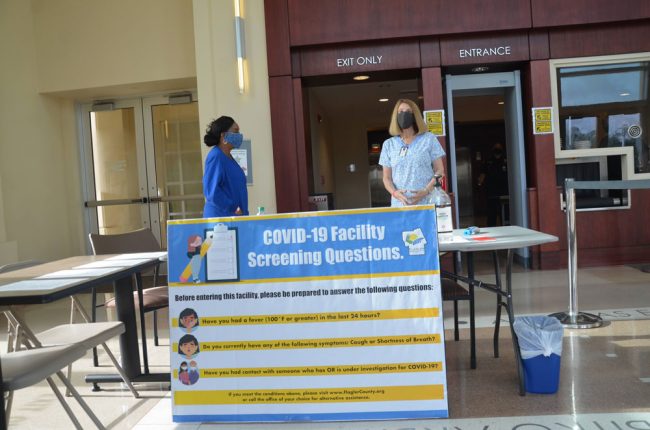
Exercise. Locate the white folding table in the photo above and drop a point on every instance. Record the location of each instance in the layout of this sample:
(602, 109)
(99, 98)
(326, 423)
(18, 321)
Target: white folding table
(494, 239)
(59, 279)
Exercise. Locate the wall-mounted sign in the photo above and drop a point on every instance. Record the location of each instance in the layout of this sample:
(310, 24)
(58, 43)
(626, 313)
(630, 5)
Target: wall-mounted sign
(359, 61)
(484, 49)
(485, 52)
(435, 120)
(358, 57)
(244, 158)
(542, 120)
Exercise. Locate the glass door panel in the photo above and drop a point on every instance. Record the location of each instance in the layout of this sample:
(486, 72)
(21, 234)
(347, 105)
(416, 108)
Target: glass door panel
(114, 151)
(143, 164)
(178, 161)
(115, 167)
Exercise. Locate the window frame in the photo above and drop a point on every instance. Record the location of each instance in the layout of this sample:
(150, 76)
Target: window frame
(626, 153)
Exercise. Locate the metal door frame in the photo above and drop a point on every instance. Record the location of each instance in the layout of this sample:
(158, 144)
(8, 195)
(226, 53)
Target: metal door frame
(147, 181)
(154, 199)
(508, 84)
(88, 176)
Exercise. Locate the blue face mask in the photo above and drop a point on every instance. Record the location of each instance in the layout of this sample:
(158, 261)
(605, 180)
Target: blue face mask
(235, 139)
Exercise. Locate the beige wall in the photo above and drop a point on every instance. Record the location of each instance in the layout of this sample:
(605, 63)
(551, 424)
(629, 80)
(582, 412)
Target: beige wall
(352, 190)
(97, 43)
(321, 145)
(58, 53)
(218, 89)
(338, 141)
(37, 168)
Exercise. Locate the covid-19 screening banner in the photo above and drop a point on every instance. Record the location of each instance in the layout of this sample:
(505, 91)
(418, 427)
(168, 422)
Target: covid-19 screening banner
(308, 316)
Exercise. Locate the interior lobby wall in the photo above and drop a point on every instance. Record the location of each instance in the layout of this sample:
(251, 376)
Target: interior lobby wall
(95, 43)
(323, 168)
(216, 67)
(34, 165)
(60, 53)
(350, 146)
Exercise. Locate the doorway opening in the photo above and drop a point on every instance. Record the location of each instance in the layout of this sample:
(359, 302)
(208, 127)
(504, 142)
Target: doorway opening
(347, 124)
(481, 163)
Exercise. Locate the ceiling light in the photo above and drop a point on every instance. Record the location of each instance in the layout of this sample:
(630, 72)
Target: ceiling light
(625, 94)
(240, 46)
(500, 103)
(361, 77)
(383, 100)
(478, 69)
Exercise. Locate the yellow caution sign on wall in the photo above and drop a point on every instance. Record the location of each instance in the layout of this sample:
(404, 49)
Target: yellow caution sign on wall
(435, 120)
(542, 120)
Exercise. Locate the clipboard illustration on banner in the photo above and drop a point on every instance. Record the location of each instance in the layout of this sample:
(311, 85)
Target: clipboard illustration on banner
(221, 263)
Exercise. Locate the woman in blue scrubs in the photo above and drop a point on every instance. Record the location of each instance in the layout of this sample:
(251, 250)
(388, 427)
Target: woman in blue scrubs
(410, 158)
(224, 181)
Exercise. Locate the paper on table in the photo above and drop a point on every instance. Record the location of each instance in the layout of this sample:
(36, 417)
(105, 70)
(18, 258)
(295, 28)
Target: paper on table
(136, 255)
(79, 273)
(452, 239)
(37, 285)
(483, 238)
(113, 263)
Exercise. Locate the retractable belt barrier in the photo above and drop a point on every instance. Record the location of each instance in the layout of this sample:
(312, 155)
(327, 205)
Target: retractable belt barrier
(573, 318)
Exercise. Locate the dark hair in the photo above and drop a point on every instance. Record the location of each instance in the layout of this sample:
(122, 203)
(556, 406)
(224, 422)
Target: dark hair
(188, 338)
(185, 363)
(215, 128)
(186, 313)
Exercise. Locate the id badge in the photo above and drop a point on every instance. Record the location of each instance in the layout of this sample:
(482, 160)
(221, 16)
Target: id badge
(402, 152)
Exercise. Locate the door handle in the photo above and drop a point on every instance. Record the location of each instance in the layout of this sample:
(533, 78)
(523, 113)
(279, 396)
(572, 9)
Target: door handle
(174, 198)
(114, 202)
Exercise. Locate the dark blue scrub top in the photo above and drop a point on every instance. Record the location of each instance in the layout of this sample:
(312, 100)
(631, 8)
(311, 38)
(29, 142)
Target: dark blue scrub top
(224, 185)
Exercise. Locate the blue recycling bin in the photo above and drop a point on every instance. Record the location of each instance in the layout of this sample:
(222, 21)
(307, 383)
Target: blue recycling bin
(540, 344)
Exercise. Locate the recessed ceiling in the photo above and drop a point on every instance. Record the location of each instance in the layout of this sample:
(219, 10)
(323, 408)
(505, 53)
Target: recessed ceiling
(363, 99)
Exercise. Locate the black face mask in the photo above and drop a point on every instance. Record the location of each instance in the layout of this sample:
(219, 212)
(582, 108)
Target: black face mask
(405, 119)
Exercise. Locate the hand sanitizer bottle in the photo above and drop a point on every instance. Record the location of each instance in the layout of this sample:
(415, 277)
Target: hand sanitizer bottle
(443, 211)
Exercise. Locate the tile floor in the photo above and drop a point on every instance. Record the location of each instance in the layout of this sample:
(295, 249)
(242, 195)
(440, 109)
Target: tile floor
(604, 380)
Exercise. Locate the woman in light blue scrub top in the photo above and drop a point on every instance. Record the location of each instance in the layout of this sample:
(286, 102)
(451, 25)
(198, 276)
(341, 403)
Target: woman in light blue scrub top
(410, 158)
(224, 181)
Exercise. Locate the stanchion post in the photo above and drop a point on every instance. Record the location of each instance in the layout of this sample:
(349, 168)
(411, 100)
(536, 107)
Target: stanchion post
(572, 245)
(573, 318)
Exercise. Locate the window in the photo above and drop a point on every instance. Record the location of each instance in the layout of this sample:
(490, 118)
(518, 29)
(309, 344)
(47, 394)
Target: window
(605, 106)
(602, 113)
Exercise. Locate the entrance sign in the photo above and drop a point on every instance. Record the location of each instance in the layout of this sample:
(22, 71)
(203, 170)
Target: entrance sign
(542, 120)
(479, 50)
(485, 52)
(435, 120)
(318, 316)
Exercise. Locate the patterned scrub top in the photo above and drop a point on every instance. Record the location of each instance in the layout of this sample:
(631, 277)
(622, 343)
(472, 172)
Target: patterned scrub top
(412, 165)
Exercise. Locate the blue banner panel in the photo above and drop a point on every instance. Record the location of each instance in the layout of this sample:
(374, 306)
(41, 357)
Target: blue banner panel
(318, 316)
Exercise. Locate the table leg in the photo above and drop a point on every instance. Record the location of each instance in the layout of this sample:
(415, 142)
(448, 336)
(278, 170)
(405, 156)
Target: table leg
(511, 319)
(3, 418)
(129, 339)
(129, 349)
(472, 322)
(497, 323)
(143, 328)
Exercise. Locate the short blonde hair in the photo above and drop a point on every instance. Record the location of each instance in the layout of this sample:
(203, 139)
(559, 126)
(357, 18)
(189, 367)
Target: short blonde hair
(420, 126)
